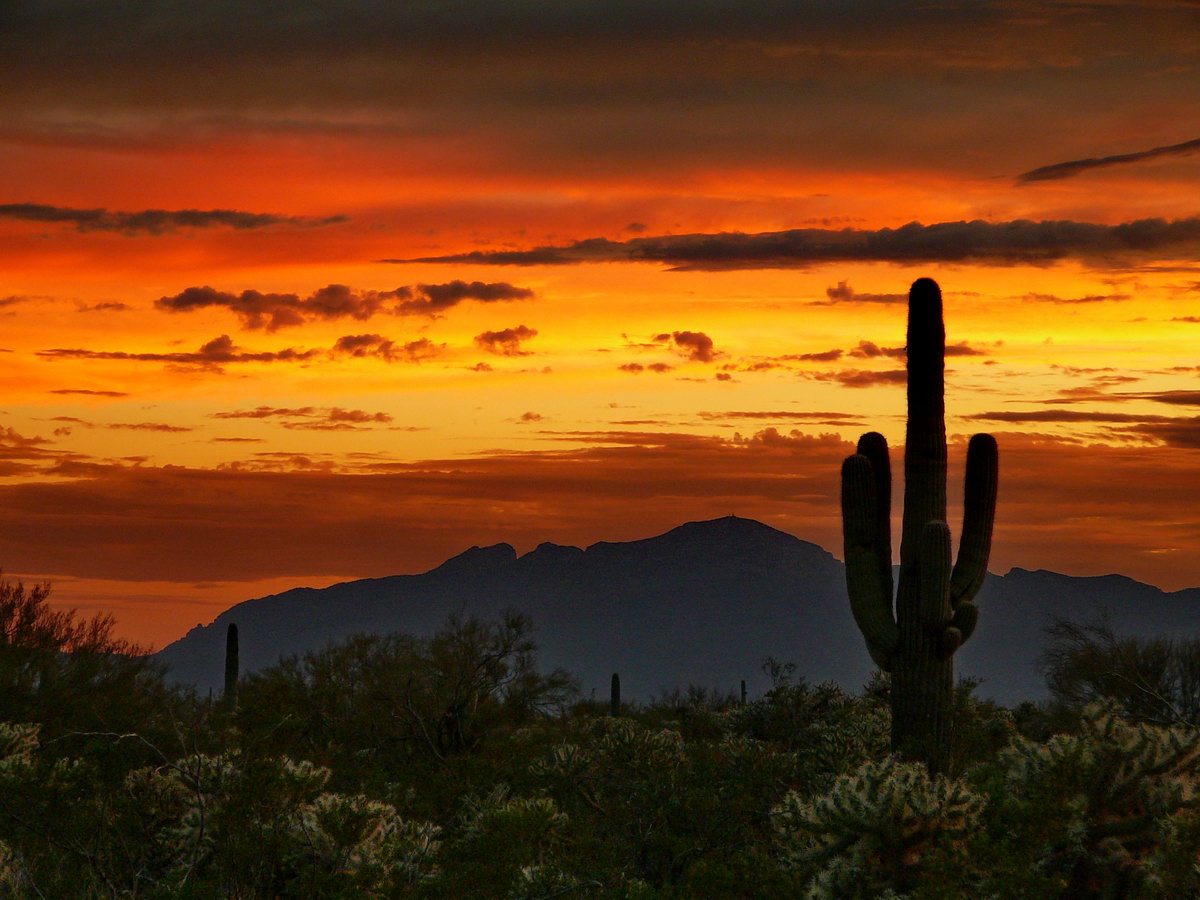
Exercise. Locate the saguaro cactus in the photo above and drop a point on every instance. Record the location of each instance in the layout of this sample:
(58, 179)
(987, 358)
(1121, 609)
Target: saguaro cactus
(933, 613)
(614, 695)
(231, 666)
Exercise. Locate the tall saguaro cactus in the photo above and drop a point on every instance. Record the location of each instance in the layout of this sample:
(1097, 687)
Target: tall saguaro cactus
(231, 666)
(614, 695)
(933, 614)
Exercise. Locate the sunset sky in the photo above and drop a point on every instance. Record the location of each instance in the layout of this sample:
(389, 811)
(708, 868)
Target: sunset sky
(298, 293)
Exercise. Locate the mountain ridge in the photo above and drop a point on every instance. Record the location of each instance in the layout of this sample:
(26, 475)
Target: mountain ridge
(702, 603)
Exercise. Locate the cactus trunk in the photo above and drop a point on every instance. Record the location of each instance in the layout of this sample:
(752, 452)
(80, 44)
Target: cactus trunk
(933, 614)
(614, 696)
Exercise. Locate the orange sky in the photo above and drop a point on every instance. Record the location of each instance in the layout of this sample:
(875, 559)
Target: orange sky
(215, 386)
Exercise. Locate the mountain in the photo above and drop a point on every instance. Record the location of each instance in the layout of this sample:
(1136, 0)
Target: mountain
(703, 604)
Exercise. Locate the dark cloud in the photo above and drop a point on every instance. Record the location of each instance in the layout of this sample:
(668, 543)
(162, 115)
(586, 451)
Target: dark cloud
(1089, 298)
(843, 293)
(1076, 166)
(430, 299)
(107, 306)
(89, 393)
(122, 426)
(310, 418)
(272, 311)
(1015, 242)
(155, 221)
(822, 418)
(823, 356)
(506, 342)
(1092, 394)
(1066, 416)
(530, 417)
(635, 368)
(1181, 432)
(217, 352)
(1191, 319)
(695, 345)
(363, 345)
(861, 378)
(869, 350)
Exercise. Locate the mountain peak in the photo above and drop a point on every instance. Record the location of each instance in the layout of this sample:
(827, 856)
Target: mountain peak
(477, 560)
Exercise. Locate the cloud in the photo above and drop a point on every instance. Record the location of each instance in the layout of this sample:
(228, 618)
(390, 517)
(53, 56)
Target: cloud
(107, 306)
(124, 426)
(695, 345)
(1089, 298)
(310, 418)
(273, 311)
(869, 350)
(430, 299)
(530, 417)
(1064, 416)
(636, 368)
(1017, 242)
(843, 293)
(155, 221)
(823, 356)
(277, 515)
(218, 351)
(89, 393)
(1074, 167)
(821, 418)
(364, 345)
(506, 342)
(862, 378)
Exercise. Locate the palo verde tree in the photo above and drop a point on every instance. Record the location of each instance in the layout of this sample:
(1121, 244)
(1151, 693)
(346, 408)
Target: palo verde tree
(915, 638)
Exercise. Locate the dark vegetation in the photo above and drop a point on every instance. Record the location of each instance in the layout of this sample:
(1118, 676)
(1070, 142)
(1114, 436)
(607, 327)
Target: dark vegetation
(391, 766)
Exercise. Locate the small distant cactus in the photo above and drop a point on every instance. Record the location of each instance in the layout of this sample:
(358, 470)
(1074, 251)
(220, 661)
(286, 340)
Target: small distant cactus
(742, 701)
(933, 613)
(231, 666)
(614, 695)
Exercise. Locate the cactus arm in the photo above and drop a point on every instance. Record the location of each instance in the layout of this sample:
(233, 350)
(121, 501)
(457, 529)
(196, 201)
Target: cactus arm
(979, 513)
(874, 447)
(872, 608)
(966, 615)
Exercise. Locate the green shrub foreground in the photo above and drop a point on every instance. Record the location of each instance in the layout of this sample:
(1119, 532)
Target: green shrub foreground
(451, 767)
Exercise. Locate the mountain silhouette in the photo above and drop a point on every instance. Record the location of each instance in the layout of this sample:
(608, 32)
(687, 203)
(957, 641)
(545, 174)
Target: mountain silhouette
(702, 604)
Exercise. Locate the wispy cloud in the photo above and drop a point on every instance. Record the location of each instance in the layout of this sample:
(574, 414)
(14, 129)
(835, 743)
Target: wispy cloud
(156, 221)
(1075, 166)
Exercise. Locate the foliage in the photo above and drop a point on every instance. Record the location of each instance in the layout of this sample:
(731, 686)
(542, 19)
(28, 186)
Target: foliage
(323, 783)
(1152, 680)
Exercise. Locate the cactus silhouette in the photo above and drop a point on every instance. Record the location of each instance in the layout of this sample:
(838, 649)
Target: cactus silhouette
(231, 666)
(743, 699)
(614, 696)
(933, 612)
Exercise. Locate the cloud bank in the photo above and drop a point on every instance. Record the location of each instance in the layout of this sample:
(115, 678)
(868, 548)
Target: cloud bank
(1016, 242)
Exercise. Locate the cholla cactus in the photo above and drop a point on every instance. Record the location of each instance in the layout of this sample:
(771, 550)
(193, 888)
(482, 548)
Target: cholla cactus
(18, 743)
(875, 828)
(932, 615)
(359, 837)
(1109, 798)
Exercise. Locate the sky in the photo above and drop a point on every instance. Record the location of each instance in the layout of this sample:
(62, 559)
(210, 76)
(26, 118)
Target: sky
(298, 293)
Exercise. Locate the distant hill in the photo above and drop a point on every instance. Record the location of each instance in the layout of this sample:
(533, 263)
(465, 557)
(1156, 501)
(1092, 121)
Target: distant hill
(702, 604)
